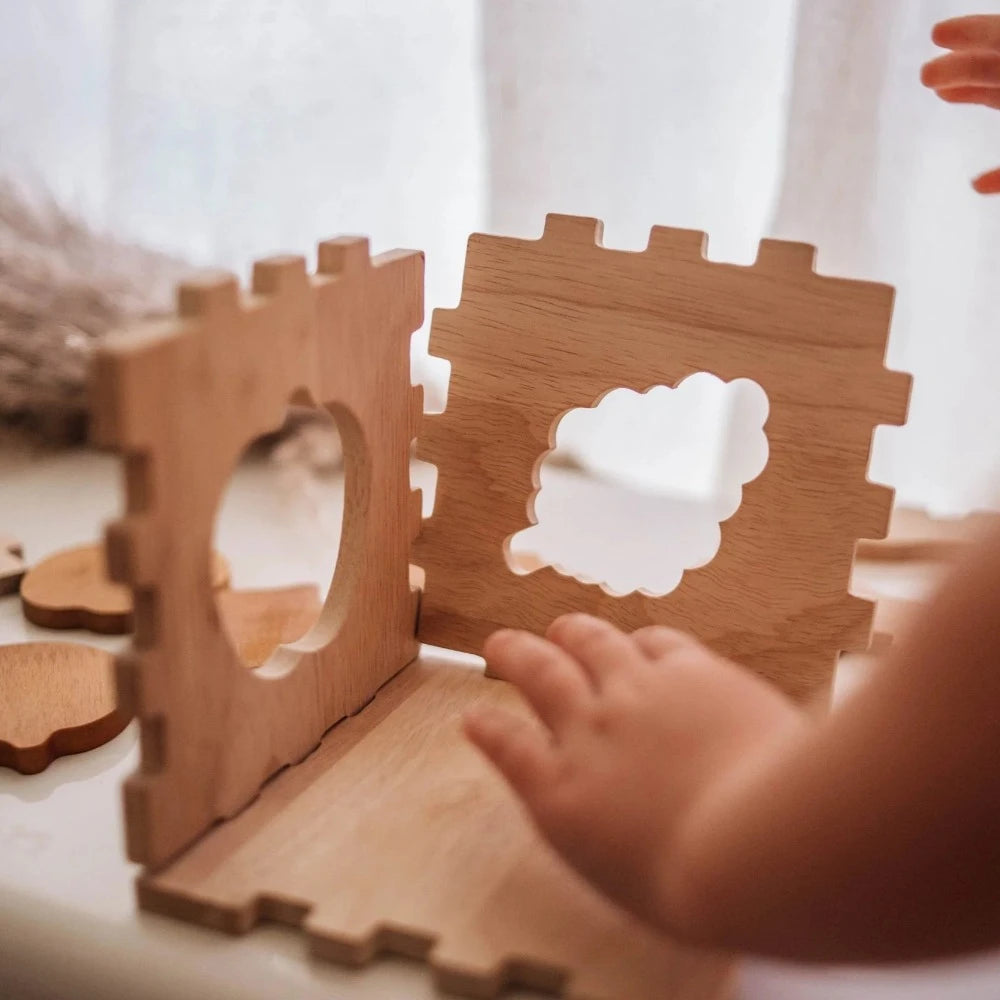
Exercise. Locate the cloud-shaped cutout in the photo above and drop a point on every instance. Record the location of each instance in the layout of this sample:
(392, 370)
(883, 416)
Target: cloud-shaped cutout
(661, 513)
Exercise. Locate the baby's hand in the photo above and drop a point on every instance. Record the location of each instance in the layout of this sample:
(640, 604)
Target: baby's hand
(634, 729)
(970, 73)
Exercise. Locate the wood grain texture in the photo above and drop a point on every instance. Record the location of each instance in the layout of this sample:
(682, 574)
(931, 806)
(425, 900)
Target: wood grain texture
(916, 535)
(549, 325)
(259, 621)
(396, 836)
(56, 698)
(12, 565)
(71, 589)
(182, 399)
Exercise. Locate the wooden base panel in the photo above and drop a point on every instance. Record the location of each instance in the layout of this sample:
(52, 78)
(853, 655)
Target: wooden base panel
(395, 836)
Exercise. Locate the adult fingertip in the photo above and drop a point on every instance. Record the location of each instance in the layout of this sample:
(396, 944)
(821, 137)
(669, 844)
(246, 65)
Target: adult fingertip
(939, 73)
(988, 183)
(943, 34)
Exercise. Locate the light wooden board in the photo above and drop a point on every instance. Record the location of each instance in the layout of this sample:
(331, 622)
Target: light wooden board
(12, 565)
(182, 399)
(56, 698)
(916, 535)
(544, 326)
(396, 836)
(71, 589)
(259, 621)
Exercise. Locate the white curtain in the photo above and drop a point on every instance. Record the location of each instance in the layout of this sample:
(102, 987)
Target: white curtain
(700, 115)
(877, 175)
(227, 129)
(641, 113)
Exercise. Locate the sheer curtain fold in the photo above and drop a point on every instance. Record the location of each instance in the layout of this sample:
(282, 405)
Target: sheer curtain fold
(806, 121)
(640, 113)
(226, 130)
(876, 174)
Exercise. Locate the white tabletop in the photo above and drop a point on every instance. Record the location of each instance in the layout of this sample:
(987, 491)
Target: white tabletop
(68, 922)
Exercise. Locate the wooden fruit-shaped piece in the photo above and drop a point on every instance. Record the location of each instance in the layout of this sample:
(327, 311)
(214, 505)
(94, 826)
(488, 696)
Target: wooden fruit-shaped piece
(56, 698)
(258, 621)
(71, 590)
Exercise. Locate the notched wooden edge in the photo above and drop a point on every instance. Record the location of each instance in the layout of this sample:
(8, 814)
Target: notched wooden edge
(281, 275)
(574, 229)
(208, 296)
(879, 500)
(343, 254)
(898, 389)
(785, 256)
(679, 244)
(416, 410)
(357, 949)
(124, 558)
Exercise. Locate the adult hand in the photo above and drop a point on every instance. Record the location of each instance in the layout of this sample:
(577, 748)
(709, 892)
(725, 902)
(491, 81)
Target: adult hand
(970, 72)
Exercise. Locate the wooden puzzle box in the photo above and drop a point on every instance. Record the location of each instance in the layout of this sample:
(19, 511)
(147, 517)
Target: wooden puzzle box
(331, 788)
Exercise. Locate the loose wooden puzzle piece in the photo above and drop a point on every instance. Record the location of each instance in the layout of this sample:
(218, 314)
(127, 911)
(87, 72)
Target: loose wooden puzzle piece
(546, 326)
(71, 589)
(12, 565)
(182, 399)
(58, 699)
(395, 836)
(259, 621)
(915, 535)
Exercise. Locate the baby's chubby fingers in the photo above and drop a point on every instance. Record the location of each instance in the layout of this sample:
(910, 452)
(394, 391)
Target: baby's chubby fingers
(965, 68)
(657, 641)
(598, 646)
(553, 682)
(518, 749)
